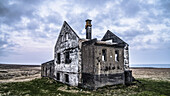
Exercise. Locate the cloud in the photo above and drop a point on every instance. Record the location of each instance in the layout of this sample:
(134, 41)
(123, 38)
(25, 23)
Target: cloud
(32, 25)
(6, 45)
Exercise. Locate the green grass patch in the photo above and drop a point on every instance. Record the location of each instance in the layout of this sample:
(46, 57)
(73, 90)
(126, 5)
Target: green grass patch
(49, 87)
(37, 87)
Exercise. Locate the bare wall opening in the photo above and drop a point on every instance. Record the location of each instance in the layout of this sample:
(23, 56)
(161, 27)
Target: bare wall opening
(67, 57)
(58, 58)
(66, 78)
(104, 55)
(117, 55)
(66, 36)
(58, 76)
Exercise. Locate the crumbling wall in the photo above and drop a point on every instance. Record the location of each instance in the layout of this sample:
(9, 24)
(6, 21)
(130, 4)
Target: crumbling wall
(109, 71)
(126, 57)
(67, 43)
(47, 69)
(110, 66)
(99, 67)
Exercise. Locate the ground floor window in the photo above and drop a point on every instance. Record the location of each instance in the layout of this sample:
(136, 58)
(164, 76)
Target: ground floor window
(67, 78)
(58, 76)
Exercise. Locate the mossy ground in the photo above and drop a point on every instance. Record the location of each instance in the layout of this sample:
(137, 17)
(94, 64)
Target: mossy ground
(49, 87)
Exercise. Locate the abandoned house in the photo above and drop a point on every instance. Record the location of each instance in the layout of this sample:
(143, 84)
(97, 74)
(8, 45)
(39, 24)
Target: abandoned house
(88, 63)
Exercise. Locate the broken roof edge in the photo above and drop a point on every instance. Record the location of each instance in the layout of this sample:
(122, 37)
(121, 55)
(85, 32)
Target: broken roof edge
(95, 41)
(48, 62)
(114, 35)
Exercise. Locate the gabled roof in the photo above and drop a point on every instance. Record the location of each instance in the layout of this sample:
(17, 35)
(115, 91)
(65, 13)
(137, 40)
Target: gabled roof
(111, 36)
(63, 26)
(70, 28)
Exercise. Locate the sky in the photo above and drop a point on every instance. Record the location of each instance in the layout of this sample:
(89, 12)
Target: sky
(29, 28)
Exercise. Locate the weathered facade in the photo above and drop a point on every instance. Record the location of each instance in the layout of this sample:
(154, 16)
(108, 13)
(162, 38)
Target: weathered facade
(47, 69)
(89, 63)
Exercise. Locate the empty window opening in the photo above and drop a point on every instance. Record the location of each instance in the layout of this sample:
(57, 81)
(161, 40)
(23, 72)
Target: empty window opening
(109, 41)
(67, 57)
(66, 36)
(67, 78)
(58, 58)
(62, 38)
(50, 71)
(113, 67)
(104, 56)
(46, 71)
(109, 68)
(58, 76)
(117, 55)
(106, 68)
(118, 67)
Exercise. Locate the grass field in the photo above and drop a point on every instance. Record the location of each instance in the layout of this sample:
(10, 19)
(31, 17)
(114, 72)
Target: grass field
(49, 87)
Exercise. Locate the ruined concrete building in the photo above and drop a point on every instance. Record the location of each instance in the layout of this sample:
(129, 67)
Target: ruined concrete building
(88, 63)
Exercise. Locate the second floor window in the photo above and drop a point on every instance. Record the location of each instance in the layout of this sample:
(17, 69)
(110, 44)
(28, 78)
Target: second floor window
(58, 58)
(117, 55)
(67, 57)
(66, 36)
(104, 55)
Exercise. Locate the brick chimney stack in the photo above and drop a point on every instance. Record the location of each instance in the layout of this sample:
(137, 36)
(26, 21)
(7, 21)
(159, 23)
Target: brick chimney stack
(88, 28)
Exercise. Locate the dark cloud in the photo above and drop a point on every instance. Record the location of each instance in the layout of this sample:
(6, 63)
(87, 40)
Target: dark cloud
(165, 5)
(130, 7)
(12, 13)
(3, 8)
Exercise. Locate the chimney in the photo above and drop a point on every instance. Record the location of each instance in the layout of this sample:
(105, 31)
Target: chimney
(88, 28)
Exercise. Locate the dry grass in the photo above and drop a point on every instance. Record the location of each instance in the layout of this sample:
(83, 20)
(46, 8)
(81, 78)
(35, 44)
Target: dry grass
(152, 73)
(18, 73)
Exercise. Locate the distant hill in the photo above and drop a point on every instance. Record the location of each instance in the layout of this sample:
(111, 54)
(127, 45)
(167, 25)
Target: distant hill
(11, 66)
